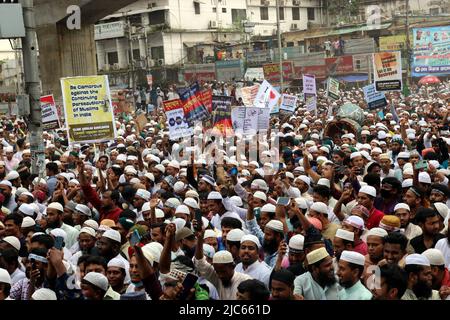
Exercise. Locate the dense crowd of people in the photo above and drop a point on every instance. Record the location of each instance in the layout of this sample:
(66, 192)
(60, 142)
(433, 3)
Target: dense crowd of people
(354, 215)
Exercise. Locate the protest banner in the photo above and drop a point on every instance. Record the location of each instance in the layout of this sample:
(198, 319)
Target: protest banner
(311, 102)
(194, 110)
(248, 94)
(141, 121)
(272, 72)
(375, 99)
(50, 118)
(178, 126)
(206, 98)
(387, 67)
(254, 73)
(309, 84)
(267, 96)
(288, 103)
(88, 109)
(333, 88)
(250, 120)
(221, 114)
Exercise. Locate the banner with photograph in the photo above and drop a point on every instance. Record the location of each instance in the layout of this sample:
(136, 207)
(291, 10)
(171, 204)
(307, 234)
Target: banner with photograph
(288, 103)
(387, 67)
(221, 114)
(178, 126)
(375, 99)
(333, 88)
(194, 109)
(50, 118)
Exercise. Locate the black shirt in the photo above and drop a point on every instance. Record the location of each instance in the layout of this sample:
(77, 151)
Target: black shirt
(418, 244)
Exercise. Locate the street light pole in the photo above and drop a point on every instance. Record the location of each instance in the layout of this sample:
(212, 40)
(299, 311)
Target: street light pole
(408, 49)
(280, 53)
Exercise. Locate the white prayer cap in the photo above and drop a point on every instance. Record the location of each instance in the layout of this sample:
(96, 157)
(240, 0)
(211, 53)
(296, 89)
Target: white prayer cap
(179, 186)
(442, 209)
(353, 257)
(407, 183)
(143, 194)
(376, 150)
(290, 175)
(28, 222)
(155, 248)
(382, 135)
(116, 262)
(12, 175)
(192, 194)
(323, 182)
(148, 254)
(56, 206)
(319, 207)
(159, 214)
(417, 259)
(260, 195)
(402, 206)
(121, 157)
(26, 209)
(259, 184)
(235, 235)
(172, 203)
(254, 163)
(6, 183)
(209, 234)
(83, 209)
(174, 164)
(305, 179)
(296, 243)
(355, 154)
(179, 223)
(223, 257)
(403, 155)
(90, 231)
(379, 232)
(131, 170)
(365, 132)
(91, 224)
(355, 221)
(191, 202)
(9, 149)
(113, 235)
(275, 225)
(5, 277)
(316, 255)
(369, 190)
(182, 209)
(301, 203)
(44, 294)
(345, 235)
(424, 177)
(237, 201)
(160, 167)
(58, 232)
(408, 171)
(252, 238)
(268, 207)
(98, 280)
(208, 250)
(214, 195)
(435, 257)
(13, 241)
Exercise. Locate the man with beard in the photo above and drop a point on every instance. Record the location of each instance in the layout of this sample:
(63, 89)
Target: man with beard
(414, 198)
(392, 283)
(221, 273)
(5, 284)
(366, 196)
(109, 247)
(116, 273)
(439, 193)
(187, 241)
(428, 220)
(54, 218)
(282, 286)
(402, 211)
(343, 240)
(443, 246)
(319, 283)
(420, 279)
(440, 274)
(396, 147)
(35, 271)
(13, 223)
(250, 264)
(6, 190)
(86, 244)
(391, 190)
(233, 243)
(108, 205)
(394, 247)
(375, 247)
(351, 267)
(273, 235)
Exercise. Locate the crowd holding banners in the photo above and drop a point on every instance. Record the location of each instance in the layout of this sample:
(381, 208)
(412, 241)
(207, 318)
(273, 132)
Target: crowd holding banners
(347, 207)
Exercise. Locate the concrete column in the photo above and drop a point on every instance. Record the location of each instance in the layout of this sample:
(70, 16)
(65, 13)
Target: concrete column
(142, 47)
(122, 53)
(101, 55)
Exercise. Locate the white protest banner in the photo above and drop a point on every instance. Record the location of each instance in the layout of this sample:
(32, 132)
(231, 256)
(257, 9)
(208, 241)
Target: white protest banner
(288, 103)
(178, 126)
(88, 109)
(254, 73)
(309, 84)
(333, 88)
(267, 96)
(249, 120)
(387, 71)
(50, 119)
(311, 102)
(247, 94)
(373, 98)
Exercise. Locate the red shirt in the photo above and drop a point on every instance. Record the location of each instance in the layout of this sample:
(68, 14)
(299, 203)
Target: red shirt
(92, 196)
(374, 218)
(360, 247)
(446, 279)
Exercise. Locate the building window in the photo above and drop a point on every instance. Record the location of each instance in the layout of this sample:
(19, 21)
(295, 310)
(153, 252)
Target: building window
(295, 13)
(434, 11)
(311, 14)
(237, 15)
(224, 10)
(135, 19)
(281, 13)
(113, 57)
(214, 10)
(444, 10)
(157, 52)
(197, 7)
(136, 54)
(289, 44)
(264, 11)
(156, 17)
(358, 64)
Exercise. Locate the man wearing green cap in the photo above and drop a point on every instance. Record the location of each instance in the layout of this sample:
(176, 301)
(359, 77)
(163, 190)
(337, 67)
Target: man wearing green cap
(123, 226)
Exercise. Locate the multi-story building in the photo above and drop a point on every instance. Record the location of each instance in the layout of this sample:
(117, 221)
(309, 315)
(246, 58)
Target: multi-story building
(9, 73)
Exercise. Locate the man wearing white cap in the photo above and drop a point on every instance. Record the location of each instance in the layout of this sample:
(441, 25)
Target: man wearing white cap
(250, 264)
(221, 273)
(319, 283)
(420, 280)
(116, 273)
(375, 249)
(403, 212)
(6, 190)
(139, 199)
(366, 197)
(5, 284)
(440, 274)
(355, 224)
(351, 268)
(54, 218)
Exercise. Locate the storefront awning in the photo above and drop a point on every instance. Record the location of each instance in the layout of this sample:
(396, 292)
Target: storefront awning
(354, 78)
(350, 30)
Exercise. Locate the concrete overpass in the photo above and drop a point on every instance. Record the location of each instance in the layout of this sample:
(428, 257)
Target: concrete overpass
(64, 52)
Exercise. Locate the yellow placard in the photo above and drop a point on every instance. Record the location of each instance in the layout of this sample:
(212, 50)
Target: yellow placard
(88, 109)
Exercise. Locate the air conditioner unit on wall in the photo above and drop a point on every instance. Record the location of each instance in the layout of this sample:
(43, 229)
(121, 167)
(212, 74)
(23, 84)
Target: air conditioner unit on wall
(213, 24)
